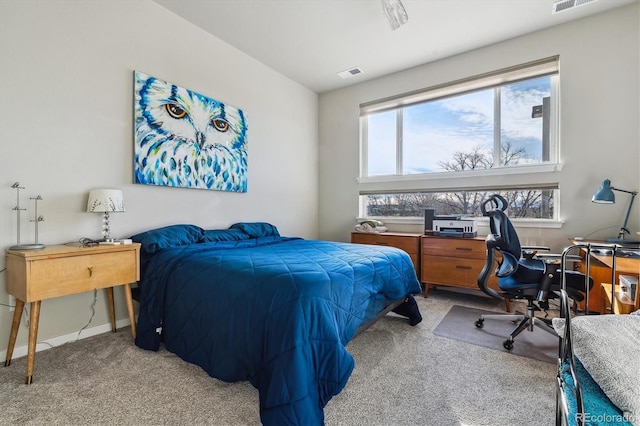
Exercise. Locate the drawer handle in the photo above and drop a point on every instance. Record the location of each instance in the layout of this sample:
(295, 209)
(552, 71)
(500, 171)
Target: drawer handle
(464, 248)
(90, 270)
(463, 267)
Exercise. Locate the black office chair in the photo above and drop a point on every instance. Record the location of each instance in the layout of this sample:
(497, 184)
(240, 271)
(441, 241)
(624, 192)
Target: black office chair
(522, 272)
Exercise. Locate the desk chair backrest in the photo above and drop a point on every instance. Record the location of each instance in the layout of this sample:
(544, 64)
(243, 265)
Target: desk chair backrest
(508, 243)
(504, 239)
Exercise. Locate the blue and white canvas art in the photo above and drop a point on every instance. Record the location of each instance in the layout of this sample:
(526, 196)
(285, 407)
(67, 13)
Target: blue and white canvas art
(188, 140)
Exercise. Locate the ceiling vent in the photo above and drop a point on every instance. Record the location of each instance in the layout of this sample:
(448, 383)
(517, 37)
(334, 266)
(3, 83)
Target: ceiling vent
(350, 72)
(562, 5)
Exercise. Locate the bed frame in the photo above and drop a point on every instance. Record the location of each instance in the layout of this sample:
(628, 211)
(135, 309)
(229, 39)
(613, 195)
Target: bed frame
(567, 382)
(579, 399)
(382, 313)
(135, 292)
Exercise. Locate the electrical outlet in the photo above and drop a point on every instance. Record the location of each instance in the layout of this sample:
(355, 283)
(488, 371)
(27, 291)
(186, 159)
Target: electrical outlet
(12, 303)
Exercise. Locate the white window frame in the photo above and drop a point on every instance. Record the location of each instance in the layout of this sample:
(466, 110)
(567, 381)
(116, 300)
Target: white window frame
(544, 175)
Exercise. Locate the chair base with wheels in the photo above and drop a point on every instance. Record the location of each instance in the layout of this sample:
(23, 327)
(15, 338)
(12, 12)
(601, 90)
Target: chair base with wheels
(522, 275)
(528, 321)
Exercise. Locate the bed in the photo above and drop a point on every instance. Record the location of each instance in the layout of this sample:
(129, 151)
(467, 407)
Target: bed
(598, 379)
(245, 303)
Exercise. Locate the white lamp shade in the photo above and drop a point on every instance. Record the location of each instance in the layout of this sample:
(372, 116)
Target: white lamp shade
(105, 200)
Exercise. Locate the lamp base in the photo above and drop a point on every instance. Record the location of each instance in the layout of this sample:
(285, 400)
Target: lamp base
(27, 247)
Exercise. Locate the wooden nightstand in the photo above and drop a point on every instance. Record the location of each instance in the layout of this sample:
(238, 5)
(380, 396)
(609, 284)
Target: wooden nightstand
(62, 270)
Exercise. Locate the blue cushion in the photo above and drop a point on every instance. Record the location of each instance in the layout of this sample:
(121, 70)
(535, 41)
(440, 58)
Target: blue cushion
(598, 408)
(225, 235)
(510, 283)
(257, 229)
(169, 236)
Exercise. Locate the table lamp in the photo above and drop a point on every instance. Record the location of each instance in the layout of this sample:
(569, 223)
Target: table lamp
(605, 195)
(105, 201)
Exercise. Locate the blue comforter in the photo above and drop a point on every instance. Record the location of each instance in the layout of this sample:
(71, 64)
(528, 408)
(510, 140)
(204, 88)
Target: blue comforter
(275, 311)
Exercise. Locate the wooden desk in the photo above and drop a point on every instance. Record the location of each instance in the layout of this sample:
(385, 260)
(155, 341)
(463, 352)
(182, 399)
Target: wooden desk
(624, 265)
(601, 270)
(61, 270)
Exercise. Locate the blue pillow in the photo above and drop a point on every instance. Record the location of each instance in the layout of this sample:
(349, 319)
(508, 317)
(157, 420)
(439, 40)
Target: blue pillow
(225, 235)
(169, 236)
(257, 229)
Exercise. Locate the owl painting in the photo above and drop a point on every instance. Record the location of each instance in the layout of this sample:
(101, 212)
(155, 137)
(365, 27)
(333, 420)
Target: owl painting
(186, 139)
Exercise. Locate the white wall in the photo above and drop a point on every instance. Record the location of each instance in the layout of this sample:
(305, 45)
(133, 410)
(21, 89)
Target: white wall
(66, 108)
(599, 71)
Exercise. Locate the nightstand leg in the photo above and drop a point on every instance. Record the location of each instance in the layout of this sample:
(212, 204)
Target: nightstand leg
(129, 300)
(112, 308)
(34, 318)
(17, 314)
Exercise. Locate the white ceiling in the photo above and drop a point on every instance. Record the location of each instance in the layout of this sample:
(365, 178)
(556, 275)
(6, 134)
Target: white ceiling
(310, 41)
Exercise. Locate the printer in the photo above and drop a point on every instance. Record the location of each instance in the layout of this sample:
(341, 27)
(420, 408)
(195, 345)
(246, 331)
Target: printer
(453, 226)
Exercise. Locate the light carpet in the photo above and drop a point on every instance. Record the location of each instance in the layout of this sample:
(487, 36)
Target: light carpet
(403, 376)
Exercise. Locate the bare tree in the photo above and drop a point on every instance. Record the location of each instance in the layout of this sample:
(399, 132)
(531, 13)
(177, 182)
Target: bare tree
(475, 159)
(522, 203)
(510, 154)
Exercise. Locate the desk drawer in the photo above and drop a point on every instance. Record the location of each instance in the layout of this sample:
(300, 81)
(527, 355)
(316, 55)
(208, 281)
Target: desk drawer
(70, 275)
(409, 244)
(453, 271)
(455, 247)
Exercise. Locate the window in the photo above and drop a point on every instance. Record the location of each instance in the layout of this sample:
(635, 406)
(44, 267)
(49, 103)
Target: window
(448, 146)
(529, 203)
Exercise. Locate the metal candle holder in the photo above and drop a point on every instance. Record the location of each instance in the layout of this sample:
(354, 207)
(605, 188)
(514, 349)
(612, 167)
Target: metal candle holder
(37, 219)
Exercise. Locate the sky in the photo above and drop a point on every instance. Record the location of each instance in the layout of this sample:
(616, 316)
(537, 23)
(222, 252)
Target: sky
(434, 131)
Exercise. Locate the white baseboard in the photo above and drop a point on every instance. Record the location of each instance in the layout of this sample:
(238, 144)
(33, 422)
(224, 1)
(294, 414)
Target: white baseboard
(21, 351)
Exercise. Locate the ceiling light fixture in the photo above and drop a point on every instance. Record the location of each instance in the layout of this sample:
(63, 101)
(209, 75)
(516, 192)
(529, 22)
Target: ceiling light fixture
(395, 13)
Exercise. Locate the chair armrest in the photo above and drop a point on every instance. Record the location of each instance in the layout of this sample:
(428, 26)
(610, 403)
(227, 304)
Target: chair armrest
(545, 248)
(556, 256)
(529, 252)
